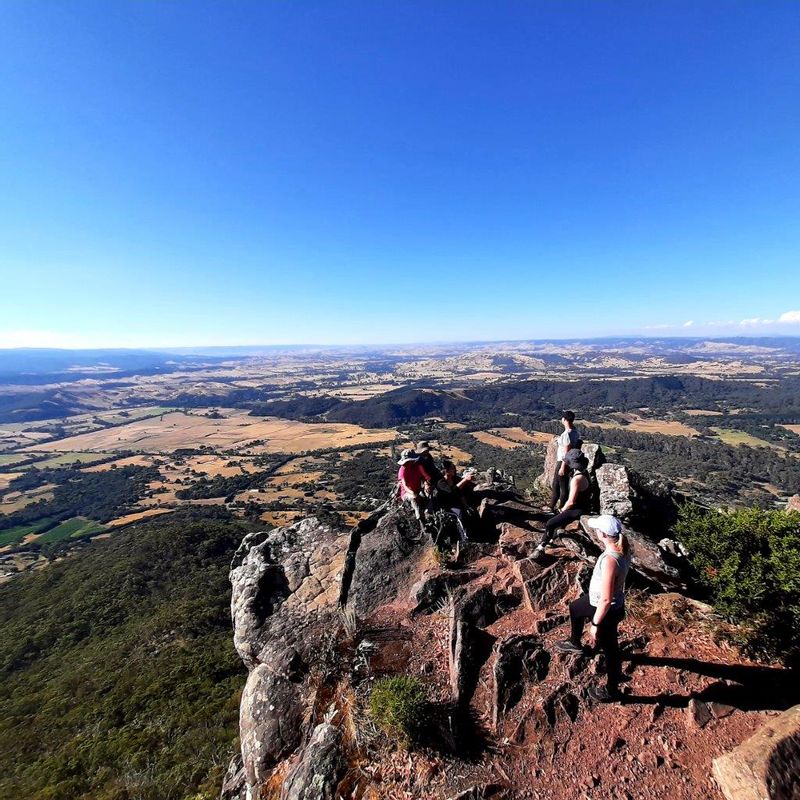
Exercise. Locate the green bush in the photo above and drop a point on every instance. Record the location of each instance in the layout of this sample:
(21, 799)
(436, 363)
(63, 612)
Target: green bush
(748, 560)
(398, 705)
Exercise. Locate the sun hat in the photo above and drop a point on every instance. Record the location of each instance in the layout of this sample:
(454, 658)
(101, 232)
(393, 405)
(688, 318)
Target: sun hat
(575, 459)
(406, 456)
(607, 524)
(423, 446)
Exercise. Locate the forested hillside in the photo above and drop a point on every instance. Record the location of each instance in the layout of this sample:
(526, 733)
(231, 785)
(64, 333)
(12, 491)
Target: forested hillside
(119, 679)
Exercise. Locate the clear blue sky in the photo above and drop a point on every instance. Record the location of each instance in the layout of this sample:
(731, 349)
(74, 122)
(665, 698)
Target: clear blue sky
(237, 172)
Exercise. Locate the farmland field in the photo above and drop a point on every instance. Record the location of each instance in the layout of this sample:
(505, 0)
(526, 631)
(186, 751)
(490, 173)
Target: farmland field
(71, 529)
(234, 430)
(734, 437)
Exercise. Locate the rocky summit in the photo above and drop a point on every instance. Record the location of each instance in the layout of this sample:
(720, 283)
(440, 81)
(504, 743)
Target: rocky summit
(321, 617)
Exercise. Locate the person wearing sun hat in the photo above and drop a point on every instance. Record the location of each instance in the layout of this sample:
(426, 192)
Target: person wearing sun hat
(578, 502)
(409, 481)
(603, 605)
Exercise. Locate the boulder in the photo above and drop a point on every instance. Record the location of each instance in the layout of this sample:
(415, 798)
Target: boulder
(544, 589)
(765, 766)
(320, 768)
(516, 542)
(270, 720)
(615, 491)
(793, 504)
(595, 455)
(388, 561)
(546, 478)
(285, 586)
(234, 784)
(519, 660)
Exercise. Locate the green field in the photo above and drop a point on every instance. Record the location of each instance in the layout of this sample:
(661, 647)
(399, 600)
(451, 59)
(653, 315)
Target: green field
(19, 532)
(66, 459)
(734, 437)
(71, 529)
(9, 459)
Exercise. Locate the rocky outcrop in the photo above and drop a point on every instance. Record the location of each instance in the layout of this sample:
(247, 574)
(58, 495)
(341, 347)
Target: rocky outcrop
(283, 605)
(767, 765)
(320, 615)
(793, 504)
(320, 767)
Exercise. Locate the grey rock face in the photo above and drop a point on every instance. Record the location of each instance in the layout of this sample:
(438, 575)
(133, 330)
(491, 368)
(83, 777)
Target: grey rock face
(616, 492)
(270, 718)
(283, 604)
(320, 767)
(234, 784)
(387, 561)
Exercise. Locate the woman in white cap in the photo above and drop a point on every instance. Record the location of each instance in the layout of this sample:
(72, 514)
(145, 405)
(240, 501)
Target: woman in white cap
(604, 605)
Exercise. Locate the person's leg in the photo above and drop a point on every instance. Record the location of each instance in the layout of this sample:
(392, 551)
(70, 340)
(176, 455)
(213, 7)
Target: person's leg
(608, 641)
(579, 611)
(414, 502)
(555, 488)
(556, 522)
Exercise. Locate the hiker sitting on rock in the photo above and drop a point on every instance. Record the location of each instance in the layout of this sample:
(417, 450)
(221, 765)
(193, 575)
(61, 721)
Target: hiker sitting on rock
(449, 492)
(432, 473)
(604, 605)
(579, 499)
(568, 440)
(409, 482)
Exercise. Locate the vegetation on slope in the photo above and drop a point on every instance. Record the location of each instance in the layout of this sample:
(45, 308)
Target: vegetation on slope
(119, 677)
(748, 560)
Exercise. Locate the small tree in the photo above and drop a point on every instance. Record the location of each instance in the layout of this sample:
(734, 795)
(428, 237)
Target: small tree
(748, 560)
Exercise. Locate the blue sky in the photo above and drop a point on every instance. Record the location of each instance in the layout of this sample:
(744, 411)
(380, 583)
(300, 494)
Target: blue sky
(191, 173)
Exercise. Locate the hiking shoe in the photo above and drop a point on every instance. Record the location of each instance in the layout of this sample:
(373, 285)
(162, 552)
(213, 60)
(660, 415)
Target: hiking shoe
(538, 552)
(568, 646)
(600, 694)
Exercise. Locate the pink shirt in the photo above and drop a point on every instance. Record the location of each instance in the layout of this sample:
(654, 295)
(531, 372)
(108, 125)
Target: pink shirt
(412, 475)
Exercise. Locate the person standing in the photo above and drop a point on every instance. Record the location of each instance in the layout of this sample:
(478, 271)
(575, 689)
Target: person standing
(579, 499)
(432, 473)
(604, 605)
(568, 439)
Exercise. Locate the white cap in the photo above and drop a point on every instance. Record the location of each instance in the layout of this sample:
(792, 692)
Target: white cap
(607, 524)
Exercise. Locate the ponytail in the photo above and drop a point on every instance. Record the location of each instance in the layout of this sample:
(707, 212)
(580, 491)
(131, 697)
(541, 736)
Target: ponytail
(625, 545)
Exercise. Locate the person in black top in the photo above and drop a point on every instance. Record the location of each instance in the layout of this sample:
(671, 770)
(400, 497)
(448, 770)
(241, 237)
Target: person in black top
(434, 474)
(578, 501)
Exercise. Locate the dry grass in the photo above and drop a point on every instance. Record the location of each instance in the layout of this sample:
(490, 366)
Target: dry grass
(640, 425)
(495, 441)
(702, 412)
(236, 430)
(793, 428)
(136, 517)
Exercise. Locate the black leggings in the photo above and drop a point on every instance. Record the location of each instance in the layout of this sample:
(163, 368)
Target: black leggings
(607, 635)
(559, 488)
(559, 521)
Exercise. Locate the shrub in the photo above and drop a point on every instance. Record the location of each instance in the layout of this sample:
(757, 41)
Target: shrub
(398, 705)
(748, 560)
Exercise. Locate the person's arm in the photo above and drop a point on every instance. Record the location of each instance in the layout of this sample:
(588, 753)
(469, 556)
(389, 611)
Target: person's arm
(607, 573)
(574, 488)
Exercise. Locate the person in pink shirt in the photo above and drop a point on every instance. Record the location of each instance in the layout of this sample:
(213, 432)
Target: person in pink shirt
(410, 478)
